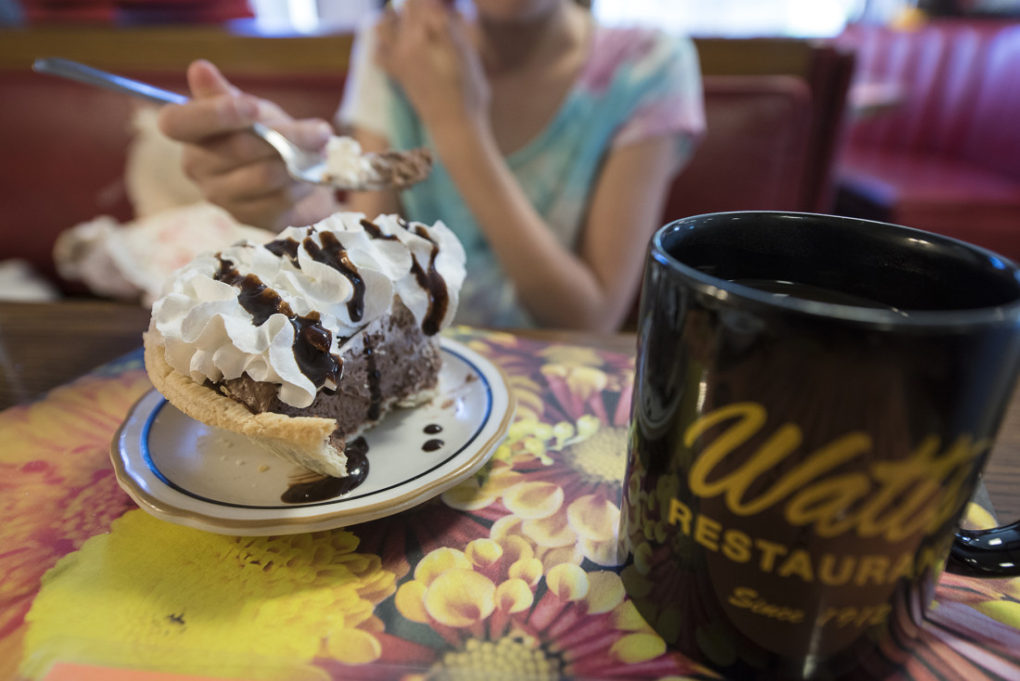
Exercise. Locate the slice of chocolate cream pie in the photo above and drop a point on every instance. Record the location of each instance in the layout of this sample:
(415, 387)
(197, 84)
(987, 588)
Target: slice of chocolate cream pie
(304, 342)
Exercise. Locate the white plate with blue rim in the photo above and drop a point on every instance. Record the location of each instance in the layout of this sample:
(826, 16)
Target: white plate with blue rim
(186, 472)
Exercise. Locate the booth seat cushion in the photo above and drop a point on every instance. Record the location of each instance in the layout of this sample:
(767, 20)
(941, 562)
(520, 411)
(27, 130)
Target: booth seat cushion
(916, 179)
(955, 197)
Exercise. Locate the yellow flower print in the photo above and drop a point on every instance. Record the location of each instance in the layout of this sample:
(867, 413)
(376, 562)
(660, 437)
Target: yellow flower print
(585, 527)
(460, 597)
(582, 457)
(525, 480)
(565, 622)
(533, 500)
(153, 594)
(57, 488)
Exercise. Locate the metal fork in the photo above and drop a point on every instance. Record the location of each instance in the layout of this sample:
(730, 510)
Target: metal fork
(302, 165)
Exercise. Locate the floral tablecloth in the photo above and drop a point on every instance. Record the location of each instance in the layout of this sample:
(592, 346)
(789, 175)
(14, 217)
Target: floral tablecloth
(511, 575)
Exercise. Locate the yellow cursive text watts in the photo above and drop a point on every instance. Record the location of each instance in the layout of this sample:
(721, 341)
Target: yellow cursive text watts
(891, 498)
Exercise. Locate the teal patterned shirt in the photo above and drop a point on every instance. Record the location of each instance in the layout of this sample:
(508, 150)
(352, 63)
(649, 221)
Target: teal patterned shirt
(635, 84)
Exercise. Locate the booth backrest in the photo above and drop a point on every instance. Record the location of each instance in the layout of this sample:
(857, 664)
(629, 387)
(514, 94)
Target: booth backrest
(754, 144)
(826, 68)
(65, 149)
(959, 85)
(993, 140)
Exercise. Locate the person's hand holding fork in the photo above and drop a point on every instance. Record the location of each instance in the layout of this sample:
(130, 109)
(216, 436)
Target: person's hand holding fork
(233, 168)
(426, 49)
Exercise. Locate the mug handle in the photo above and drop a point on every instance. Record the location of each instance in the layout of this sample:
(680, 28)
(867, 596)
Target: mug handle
(986, 553)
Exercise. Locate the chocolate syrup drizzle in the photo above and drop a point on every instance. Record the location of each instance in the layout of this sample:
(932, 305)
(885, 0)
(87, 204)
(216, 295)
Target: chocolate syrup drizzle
(333, 253)
(285, 247)
(312, 341)
(259, 300)
(433, 282)
(376, 233)
(327, 487)
(374, 389)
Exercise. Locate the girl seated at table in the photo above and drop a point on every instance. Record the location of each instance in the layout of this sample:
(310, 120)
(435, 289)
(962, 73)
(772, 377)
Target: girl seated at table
(555, 141)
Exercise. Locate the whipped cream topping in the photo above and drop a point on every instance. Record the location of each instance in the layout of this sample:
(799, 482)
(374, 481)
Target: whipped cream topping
(281, 312)
(347, 166)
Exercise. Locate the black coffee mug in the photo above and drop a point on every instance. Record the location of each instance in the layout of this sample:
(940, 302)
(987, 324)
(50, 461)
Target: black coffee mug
(814, 402)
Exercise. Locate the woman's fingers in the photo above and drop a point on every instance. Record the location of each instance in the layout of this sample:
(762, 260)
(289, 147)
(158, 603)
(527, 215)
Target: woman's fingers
(205, 80)
(248, 182)
(417, 19)
(200, 119)
(436, 18)
(224, 153)
(423, 10)
(231, 166)
(216, 107)
(428, 19)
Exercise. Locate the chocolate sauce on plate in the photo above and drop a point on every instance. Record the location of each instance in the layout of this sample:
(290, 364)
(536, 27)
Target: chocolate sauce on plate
(328, 487)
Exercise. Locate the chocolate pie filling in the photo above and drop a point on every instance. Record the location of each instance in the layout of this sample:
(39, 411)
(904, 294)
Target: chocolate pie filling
(393, 364)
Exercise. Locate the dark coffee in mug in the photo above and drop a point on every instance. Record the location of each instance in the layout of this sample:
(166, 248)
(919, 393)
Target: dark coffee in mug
(814, 401)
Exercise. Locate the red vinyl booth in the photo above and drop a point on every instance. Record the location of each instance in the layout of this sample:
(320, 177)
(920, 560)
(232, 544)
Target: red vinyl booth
(65, 146)
(946, 158)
